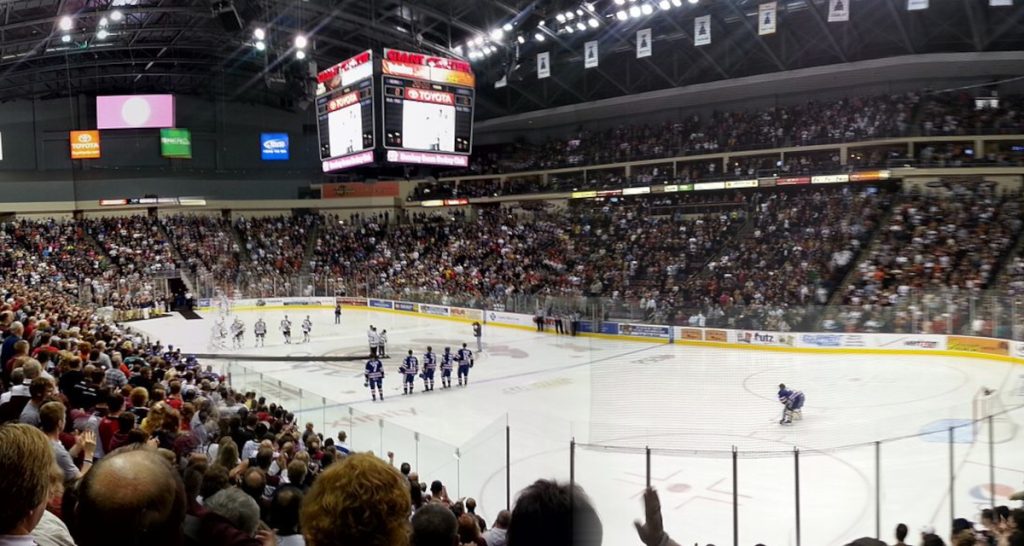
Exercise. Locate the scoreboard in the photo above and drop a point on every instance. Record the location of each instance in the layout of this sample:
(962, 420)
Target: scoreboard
(425, 114)
(345, 113)
(428, 108)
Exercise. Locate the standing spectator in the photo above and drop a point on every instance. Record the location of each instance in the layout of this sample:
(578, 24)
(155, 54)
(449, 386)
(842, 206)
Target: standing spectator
(7, 349)
(435, 525)
(40, 390)
(549, 514)
(495, 536)
(26, 460)
(284, 515)
(471, 509)
(901, 535)
(469, 533)
(361, 500)
(51, 417)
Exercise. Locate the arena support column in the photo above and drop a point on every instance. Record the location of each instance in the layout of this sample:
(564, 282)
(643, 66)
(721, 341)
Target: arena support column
(878, 490)
(796, 483)
(735, 499)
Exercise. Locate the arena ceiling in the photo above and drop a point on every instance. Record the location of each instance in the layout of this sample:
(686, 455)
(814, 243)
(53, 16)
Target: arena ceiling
(199, 47)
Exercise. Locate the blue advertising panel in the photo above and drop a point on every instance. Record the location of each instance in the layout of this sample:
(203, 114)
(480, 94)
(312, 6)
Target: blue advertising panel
(274, 146)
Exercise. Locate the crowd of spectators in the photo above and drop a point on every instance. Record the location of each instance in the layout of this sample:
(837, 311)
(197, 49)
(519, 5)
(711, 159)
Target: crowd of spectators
(276, 250)
(936, 245)
(206, 244)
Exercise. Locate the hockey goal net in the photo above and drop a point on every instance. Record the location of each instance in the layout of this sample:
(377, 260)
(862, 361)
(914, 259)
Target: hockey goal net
(991, 419)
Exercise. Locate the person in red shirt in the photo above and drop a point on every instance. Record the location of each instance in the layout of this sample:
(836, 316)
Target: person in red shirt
(109, 425)
(174, 398)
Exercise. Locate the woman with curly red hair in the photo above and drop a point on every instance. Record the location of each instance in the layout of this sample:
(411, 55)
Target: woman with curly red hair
(360, 501)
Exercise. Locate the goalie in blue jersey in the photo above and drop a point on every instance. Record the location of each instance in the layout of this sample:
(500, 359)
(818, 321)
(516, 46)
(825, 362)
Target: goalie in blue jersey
(793, 403)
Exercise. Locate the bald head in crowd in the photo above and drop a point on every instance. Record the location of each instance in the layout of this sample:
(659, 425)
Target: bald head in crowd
(137, 489)
(434, 525)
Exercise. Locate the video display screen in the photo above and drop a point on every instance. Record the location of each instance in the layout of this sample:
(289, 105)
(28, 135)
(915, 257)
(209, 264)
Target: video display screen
(345, 109)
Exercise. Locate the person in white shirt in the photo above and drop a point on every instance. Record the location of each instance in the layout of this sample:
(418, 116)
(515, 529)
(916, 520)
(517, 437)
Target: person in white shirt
(25, 481)
(19, 388)
(374, 340)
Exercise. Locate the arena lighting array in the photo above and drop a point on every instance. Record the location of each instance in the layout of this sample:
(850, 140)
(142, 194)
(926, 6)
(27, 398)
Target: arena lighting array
(66, 24)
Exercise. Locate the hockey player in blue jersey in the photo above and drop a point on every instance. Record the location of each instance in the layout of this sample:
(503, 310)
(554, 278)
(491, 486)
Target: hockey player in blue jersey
(793, 403)
(465, 358)
(409, 369)
(374, 375)
(429, 365)
(446, 368)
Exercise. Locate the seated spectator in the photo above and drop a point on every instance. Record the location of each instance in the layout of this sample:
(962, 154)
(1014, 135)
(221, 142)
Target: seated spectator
(237, 508)
(26, 462)
(139, 490)
(360, 500)
(549, 514)
(435, 525)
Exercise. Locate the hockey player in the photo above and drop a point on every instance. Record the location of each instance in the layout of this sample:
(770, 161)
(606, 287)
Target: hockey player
(374, 340)
(337, 313)
(478, 334)
(793, 403)
(286, 329)
(465, 358)
(382, 344)
(260, 329)
(446, 368)
(374, 375)
(429, 365)
(409, 369)
(307, 325)
(237, 332)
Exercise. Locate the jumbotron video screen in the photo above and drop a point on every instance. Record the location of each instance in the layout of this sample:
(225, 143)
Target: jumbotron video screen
(428, 108)
(345, 113)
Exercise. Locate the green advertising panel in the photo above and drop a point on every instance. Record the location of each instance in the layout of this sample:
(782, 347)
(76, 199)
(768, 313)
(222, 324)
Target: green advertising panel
(176, 143)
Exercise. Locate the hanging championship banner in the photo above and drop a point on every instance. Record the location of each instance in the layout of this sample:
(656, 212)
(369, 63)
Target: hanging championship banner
(501, 83)
(543, 65)
(643, 43)
(766, 14)
(915, 5)
(997, 3)
(838, 10)
(590, 54)
(702, 31)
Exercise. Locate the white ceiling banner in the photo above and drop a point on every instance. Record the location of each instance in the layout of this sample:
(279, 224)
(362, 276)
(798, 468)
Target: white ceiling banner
(998, 3)
(766, 17)
(643, 43)
(838, 10)
(702, 30)
(543, 65)
(590, 54)
(917, 5)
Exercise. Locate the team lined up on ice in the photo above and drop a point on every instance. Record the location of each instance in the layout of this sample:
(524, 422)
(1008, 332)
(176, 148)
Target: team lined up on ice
(260, 331)
(410, 368)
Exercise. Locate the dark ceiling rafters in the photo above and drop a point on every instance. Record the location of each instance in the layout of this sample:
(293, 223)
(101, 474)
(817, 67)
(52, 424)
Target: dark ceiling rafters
(170, 43)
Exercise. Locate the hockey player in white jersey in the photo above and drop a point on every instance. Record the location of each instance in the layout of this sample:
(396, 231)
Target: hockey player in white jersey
(260, 329)
(382, 344)
(237, 333)
(373, 338)
(307, 326)
(286, 329)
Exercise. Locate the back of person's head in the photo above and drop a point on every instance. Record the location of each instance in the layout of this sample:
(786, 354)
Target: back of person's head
(361, 500)
(901, 532)
(468, 529)
(51, 415)
(434, 525)
(215, 478)
(932, 540)
(284, 510)
(549, 514)
(32, 369)
(140, 491)
(26, 459)
(235, 506)
(17, 376)
(254, 483)
(471, 505)
(503, 519)
(297, 472)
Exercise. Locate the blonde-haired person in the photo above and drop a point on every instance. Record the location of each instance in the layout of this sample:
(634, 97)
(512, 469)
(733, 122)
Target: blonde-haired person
(360, 500)
(26, 460)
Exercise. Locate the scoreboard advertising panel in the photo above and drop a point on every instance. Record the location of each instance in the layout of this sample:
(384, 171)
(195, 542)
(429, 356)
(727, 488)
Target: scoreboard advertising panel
(428, 108)
(345, 113)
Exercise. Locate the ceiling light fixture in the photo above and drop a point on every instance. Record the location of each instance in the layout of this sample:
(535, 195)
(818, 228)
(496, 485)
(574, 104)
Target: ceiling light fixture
(301, 41)
(66, 23)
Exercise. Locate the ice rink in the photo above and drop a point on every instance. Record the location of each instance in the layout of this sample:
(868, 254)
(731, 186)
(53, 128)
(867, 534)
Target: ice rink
(691, 405)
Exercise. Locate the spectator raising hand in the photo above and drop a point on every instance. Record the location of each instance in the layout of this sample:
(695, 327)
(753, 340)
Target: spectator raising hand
(652, 531)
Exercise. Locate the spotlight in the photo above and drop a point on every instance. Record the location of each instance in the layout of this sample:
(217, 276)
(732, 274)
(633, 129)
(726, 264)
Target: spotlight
(539, 37)
(261, 45)
(677, 3)
(259, 33)
(620, 2)
(66, 23)
(579, 12)
(116, 15)
(634, 11)
(300, 54)
(497, 34)
(507, 27)
(694, 1)
(581, 26)
(102, 34)
(521, 40)
(569, 29)
(593, 23)
(665, 5)
(621, 15)
(66, 38)
(647, 9)
(301, 41)
(103, 22)
(560, 17)
(569, 15)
